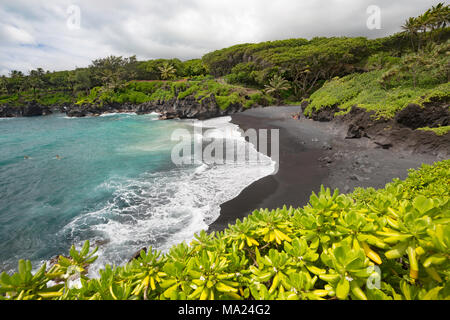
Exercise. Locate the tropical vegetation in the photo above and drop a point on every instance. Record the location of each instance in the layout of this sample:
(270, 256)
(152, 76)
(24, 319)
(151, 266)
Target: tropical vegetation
(387, 244)
(401, 68)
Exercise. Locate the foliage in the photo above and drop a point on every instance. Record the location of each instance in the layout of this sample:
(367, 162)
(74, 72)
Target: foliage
(440, 131)
(304, 63)
(167, 71)
(428, 26)
(386, 244)
(277, 85)
(113, 71)
(137, 92)
(419, 77)
(381, 60)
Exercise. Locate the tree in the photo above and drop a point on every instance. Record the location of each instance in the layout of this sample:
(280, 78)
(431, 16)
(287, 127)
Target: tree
(440, 61)
(17, 82)
(167, 71)
(113, 71)
(82, 80)
(59, 80)
(194, 67)
(432, 22)
(277, 85)
(36, 80)
(3, 85)
(411, 28)
(414, 63)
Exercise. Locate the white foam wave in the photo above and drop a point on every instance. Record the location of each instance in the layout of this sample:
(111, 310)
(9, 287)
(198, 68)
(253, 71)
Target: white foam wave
(117, 113)
(165, 208)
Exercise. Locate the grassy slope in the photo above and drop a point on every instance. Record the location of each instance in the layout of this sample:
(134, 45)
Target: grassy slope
(365, 91)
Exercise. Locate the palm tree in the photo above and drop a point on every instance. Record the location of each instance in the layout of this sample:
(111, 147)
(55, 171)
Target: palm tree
(36, 80)
(277, 85)
(411, 29)
(167, 71)
(3, 85)
(439, 18)
(440, 15)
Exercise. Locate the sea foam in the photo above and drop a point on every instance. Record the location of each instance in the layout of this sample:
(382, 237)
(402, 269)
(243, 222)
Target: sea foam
(165, 208)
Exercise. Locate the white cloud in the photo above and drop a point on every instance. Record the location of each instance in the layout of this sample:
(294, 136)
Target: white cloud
(35, 34)
(15, 35)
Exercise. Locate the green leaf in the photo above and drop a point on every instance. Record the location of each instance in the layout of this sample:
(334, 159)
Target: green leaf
(423, 204)
(432, 294)
(342, 289)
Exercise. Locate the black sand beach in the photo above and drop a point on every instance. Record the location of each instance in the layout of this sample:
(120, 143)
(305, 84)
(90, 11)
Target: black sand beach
(313, 154)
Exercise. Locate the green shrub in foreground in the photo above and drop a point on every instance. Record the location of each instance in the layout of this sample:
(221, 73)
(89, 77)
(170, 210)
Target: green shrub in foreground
(392, 243)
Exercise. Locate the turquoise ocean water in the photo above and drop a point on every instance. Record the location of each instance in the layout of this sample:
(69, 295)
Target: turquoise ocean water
(107, 179)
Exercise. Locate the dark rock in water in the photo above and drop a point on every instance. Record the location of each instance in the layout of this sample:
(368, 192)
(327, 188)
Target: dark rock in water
(186, 108)
(137, 254)
(191, 108)
(30, 109)
(7, 111)
(99, 243)
(33, 109)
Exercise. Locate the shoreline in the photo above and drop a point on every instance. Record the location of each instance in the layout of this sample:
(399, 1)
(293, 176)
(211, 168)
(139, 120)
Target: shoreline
(312, 154)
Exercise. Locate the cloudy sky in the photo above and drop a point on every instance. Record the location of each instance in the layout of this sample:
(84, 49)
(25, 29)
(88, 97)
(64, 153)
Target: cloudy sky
(63, 34)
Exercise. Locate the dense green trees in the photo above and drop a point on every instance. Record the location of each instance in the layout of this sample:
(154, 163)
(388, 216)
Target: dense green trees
(152, 69)
(36, 80)
(428, 26)
(305, 65)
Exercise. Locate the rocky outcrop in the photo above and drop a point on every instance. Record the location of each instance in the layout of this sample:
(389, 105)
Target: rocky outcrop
(190, 108)
(186, 108)
(415, 116)
(84, 110)
(325, 114)
(137, 254)
(30, 109)
(398, 133)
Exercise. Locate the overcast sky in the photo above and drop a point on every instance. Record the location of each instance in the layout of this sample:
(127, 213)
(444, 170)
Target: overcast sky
(45, 33)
